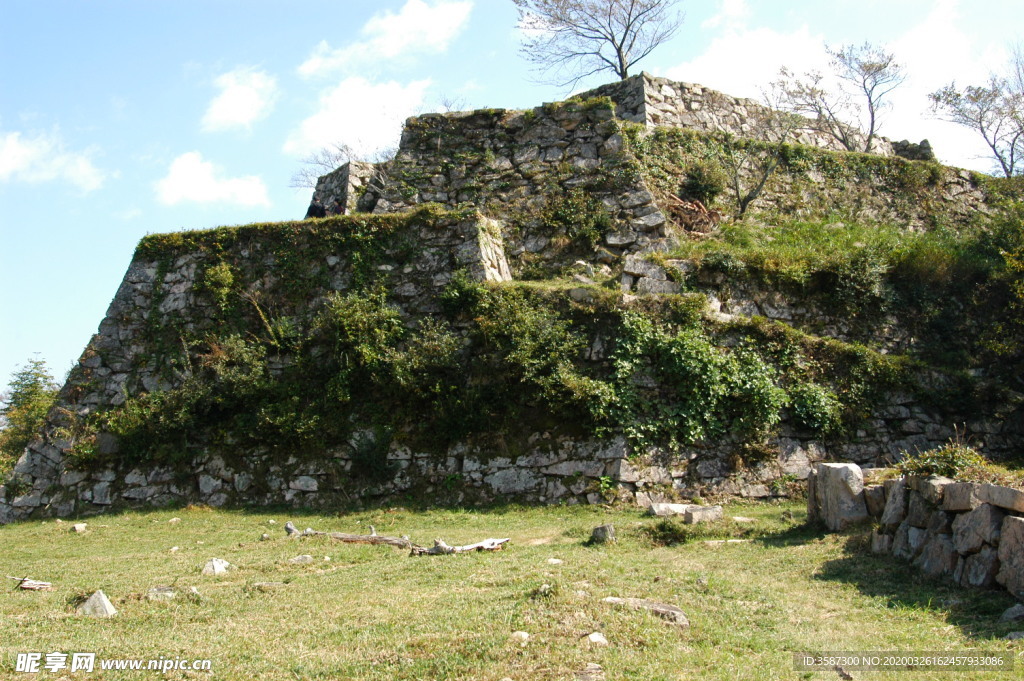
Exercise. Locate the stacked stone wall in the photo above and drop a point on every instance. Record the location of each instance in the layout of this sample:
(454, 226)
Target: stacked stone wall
(966, 532)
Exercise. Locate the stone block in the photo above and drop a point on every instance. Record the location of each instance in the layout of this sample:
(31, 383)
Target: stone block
(667, 612)
(640, 267)
(981, 526)
(937, 557)
(702, 514)
(919, 511)
(648, 285)
(895, 511)
(961, 496)
(931, 488)
(881, 543)
(1003, 497)
(874, 499)
(668, 510)
(980, 569)
(98, 605)
(1011, 555)
(840, 493)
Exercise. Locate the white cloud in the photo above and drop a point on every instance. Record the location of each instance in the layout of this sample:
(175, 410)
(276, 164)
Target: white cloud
(43, 158)
(366, 116)
(417, 28)
(190, 178)
(246, 96)
(722, 66)
(730, 13)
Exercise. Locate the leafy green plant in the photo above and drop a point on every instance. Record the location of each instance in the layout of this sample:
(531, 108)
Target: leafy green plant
(704, 181)
(815, 408)
(949, 460)
(579, 215)
(30, 395)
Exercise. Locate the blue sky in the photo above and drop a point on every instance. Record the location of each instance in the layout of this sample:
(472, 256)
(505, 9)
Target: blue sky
(122, 118)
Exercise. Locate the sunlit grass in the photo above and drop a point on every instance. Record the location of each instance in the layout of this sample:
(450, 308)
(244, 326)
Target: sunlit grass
(375, 613)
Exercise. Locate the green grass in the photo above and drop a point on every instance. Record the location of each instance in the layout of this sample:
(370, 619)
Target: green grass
(375, 613)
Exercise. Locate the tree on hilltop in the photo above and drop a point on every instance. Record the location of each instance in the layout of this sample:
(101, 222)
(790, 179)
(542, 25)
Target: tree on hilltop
(584, 37)
(994, 110)
(867, 74)
(30, 395)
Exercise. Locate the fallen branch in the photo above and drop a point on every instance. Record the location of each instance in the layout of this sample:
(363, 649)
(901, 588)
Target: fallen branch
(31, 584)
(438, 549)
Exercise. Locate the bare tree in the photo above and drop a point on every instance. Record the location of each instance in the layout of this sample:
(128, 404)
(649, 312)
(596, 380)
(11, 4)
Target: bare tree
(584, 37)
(749, 163)
(332, 157)
(866, 75)
(994, 110)
(319, 163)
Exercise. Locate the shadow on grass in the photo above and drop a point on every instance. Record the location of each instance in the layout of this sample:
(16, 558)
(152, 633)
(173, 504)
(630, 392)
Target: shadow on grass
(902, 586)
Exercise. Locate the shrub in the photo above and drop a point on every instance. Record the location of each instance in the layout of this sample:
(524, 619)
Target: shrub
(815, 408)
(704, 181)
(949, 460)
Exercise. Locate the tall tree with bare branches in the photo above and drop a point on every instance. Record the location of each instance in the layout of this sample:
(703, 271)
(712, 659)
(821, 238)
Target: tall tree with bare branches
(994, 110)
(866, 75)
(571, 39)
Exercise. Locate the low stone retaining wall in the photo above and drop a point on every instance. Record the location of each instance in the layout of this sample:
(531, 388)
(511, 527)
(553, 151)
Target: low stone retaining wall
(970, 533)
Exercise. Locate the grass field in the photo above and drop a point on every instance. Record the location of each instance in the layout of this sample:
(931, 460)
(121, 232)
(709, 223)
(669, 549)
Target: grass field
(373, 612)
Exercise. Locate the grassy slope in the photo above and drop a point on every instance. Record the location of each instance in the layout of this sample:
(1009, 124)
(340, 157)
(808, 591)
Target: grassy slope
(374, 613)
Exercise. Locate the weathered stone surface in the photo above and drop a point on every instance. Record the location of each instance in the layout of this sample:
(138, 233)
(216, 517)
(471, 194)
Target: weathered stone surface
(840, 492)
(1011, 555)
(895, 504)
(304, 483)
(602, 534)
(216, 566)
(973, 529)
(908, 540)
(1004, 497)
(596, 639)
(667, 510)
(1013, 614)
(301, 560)
(874, 499)
(98, 605)
(919, 510)
(79, 528)
(665, 611)
(961, 496)
(702, 514)
(881, 543)
(980, 569)
(931, 488)
(591, 672)
(937, 557)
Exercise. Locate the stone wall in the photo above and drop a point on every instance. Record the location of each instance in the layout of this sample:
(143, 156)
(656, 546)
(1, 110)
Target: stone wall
(657, 101)
(969, 533)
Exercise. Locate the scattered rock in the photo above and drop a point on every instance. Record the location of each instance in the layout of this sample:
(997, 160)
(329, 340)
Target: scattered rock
(555, 561)
(1014, 636)
(78, 528)
(665, 611)
(667, 510)
(602, 534)
(174, 520)
(264, 537)
(291, 530)
(301, 560)
(720, 542)
(1014, 614)
(216, 566)
(98, 605)
(520, 637)
(161, 593)
(175, 549)
(597, 639)
(743, 519)
(271, 522)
